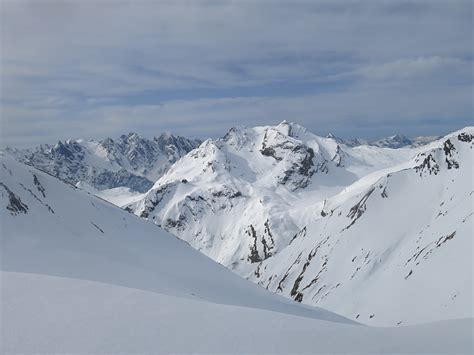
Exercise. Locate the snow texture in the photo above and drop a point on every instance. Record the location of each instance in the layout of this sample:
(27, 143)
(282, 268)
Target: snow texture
(80, 275)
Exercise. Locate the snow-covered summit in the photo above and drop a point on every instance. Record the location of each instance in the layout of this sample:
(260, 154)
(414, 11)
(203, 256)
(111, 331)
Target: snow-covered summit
(260, 199)
(81, 274)
(352, 142)
(401, 237)
(240, 198)
(244, 198)
(396, 141)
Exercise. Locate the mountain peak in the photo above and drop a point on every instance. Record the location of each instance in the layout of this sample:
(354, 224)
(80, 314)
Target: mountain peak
(130, 136)
(395, 141)
(291, 129)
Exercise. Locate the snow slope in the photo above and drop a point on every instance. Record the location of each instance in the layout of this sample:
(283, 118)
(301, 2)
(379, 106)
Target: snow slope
(81, 275)
(52, 228)
(244, 198)
(392, 249)
(48, 314)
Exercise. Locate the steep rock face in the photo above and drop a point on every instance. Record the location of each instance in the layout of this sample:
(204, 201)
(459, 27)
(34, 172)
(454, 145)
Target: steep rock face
(297, 157)
(241, 198)
(404, 239)
(130, 161)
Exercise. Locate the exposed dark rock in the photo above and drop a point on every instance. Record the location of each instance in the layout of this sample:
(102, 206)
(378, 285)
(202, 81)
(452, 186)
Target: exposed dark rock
(15, 205)
(178, 224)
(159, 194)
(444, 239)
(297, 261)
(38, 185)
(338, 157)
(449, 151)
(302, 167)
(465, 137)
(301, 233)
(37, 198)
(298, 296)
(428, 164)
(98, 228)
(358, 209)
(268, 231)
(254, 257)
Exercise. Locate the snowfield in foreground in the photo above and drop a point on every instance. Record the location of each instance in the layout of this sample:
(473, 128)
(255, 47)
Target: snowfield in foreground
(81, 275)
(55, 315)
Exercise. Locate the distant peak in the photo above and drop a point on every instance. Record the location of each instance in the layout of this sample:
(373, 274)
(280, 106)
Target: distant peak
(398, 136)
(131, 135)
(394, 141)
(286, 128)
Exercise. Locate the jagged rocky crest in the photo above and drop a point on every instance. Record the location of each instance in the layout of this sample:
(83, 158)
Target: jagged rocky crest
(130, 161)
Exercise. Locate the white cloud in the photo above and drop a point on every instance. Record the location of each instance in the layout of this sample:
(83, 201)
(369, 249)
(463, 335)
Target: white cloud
(68, 63)
(414, 68)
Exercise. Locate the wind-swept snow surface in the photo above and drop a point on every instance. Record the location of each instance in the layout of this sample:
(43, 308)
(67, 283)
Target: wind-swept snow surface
(53, 228)
(81, 275)
(45, 314)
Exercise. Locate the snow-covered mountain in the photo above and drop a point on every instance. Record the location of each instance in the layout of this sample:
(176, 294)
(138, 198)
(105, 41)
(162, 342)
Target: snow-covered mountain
(262, 201)
(131, 161)
(246, 198)
(80, 275)
(55, 229)
(395, 247)
(241, 198)
(352, 142)
(394, 142)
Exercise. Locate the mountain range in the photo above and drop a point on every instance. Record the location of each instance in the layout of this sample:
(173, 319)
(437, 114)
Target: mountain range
(395, 141)
(340, 224)
(131, 161)
(279, 205)
(81, 275)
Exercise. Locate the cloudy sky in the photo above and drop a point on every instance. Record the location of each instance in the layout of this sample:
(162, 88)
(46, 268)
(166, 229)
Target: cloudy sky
(356, 68)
